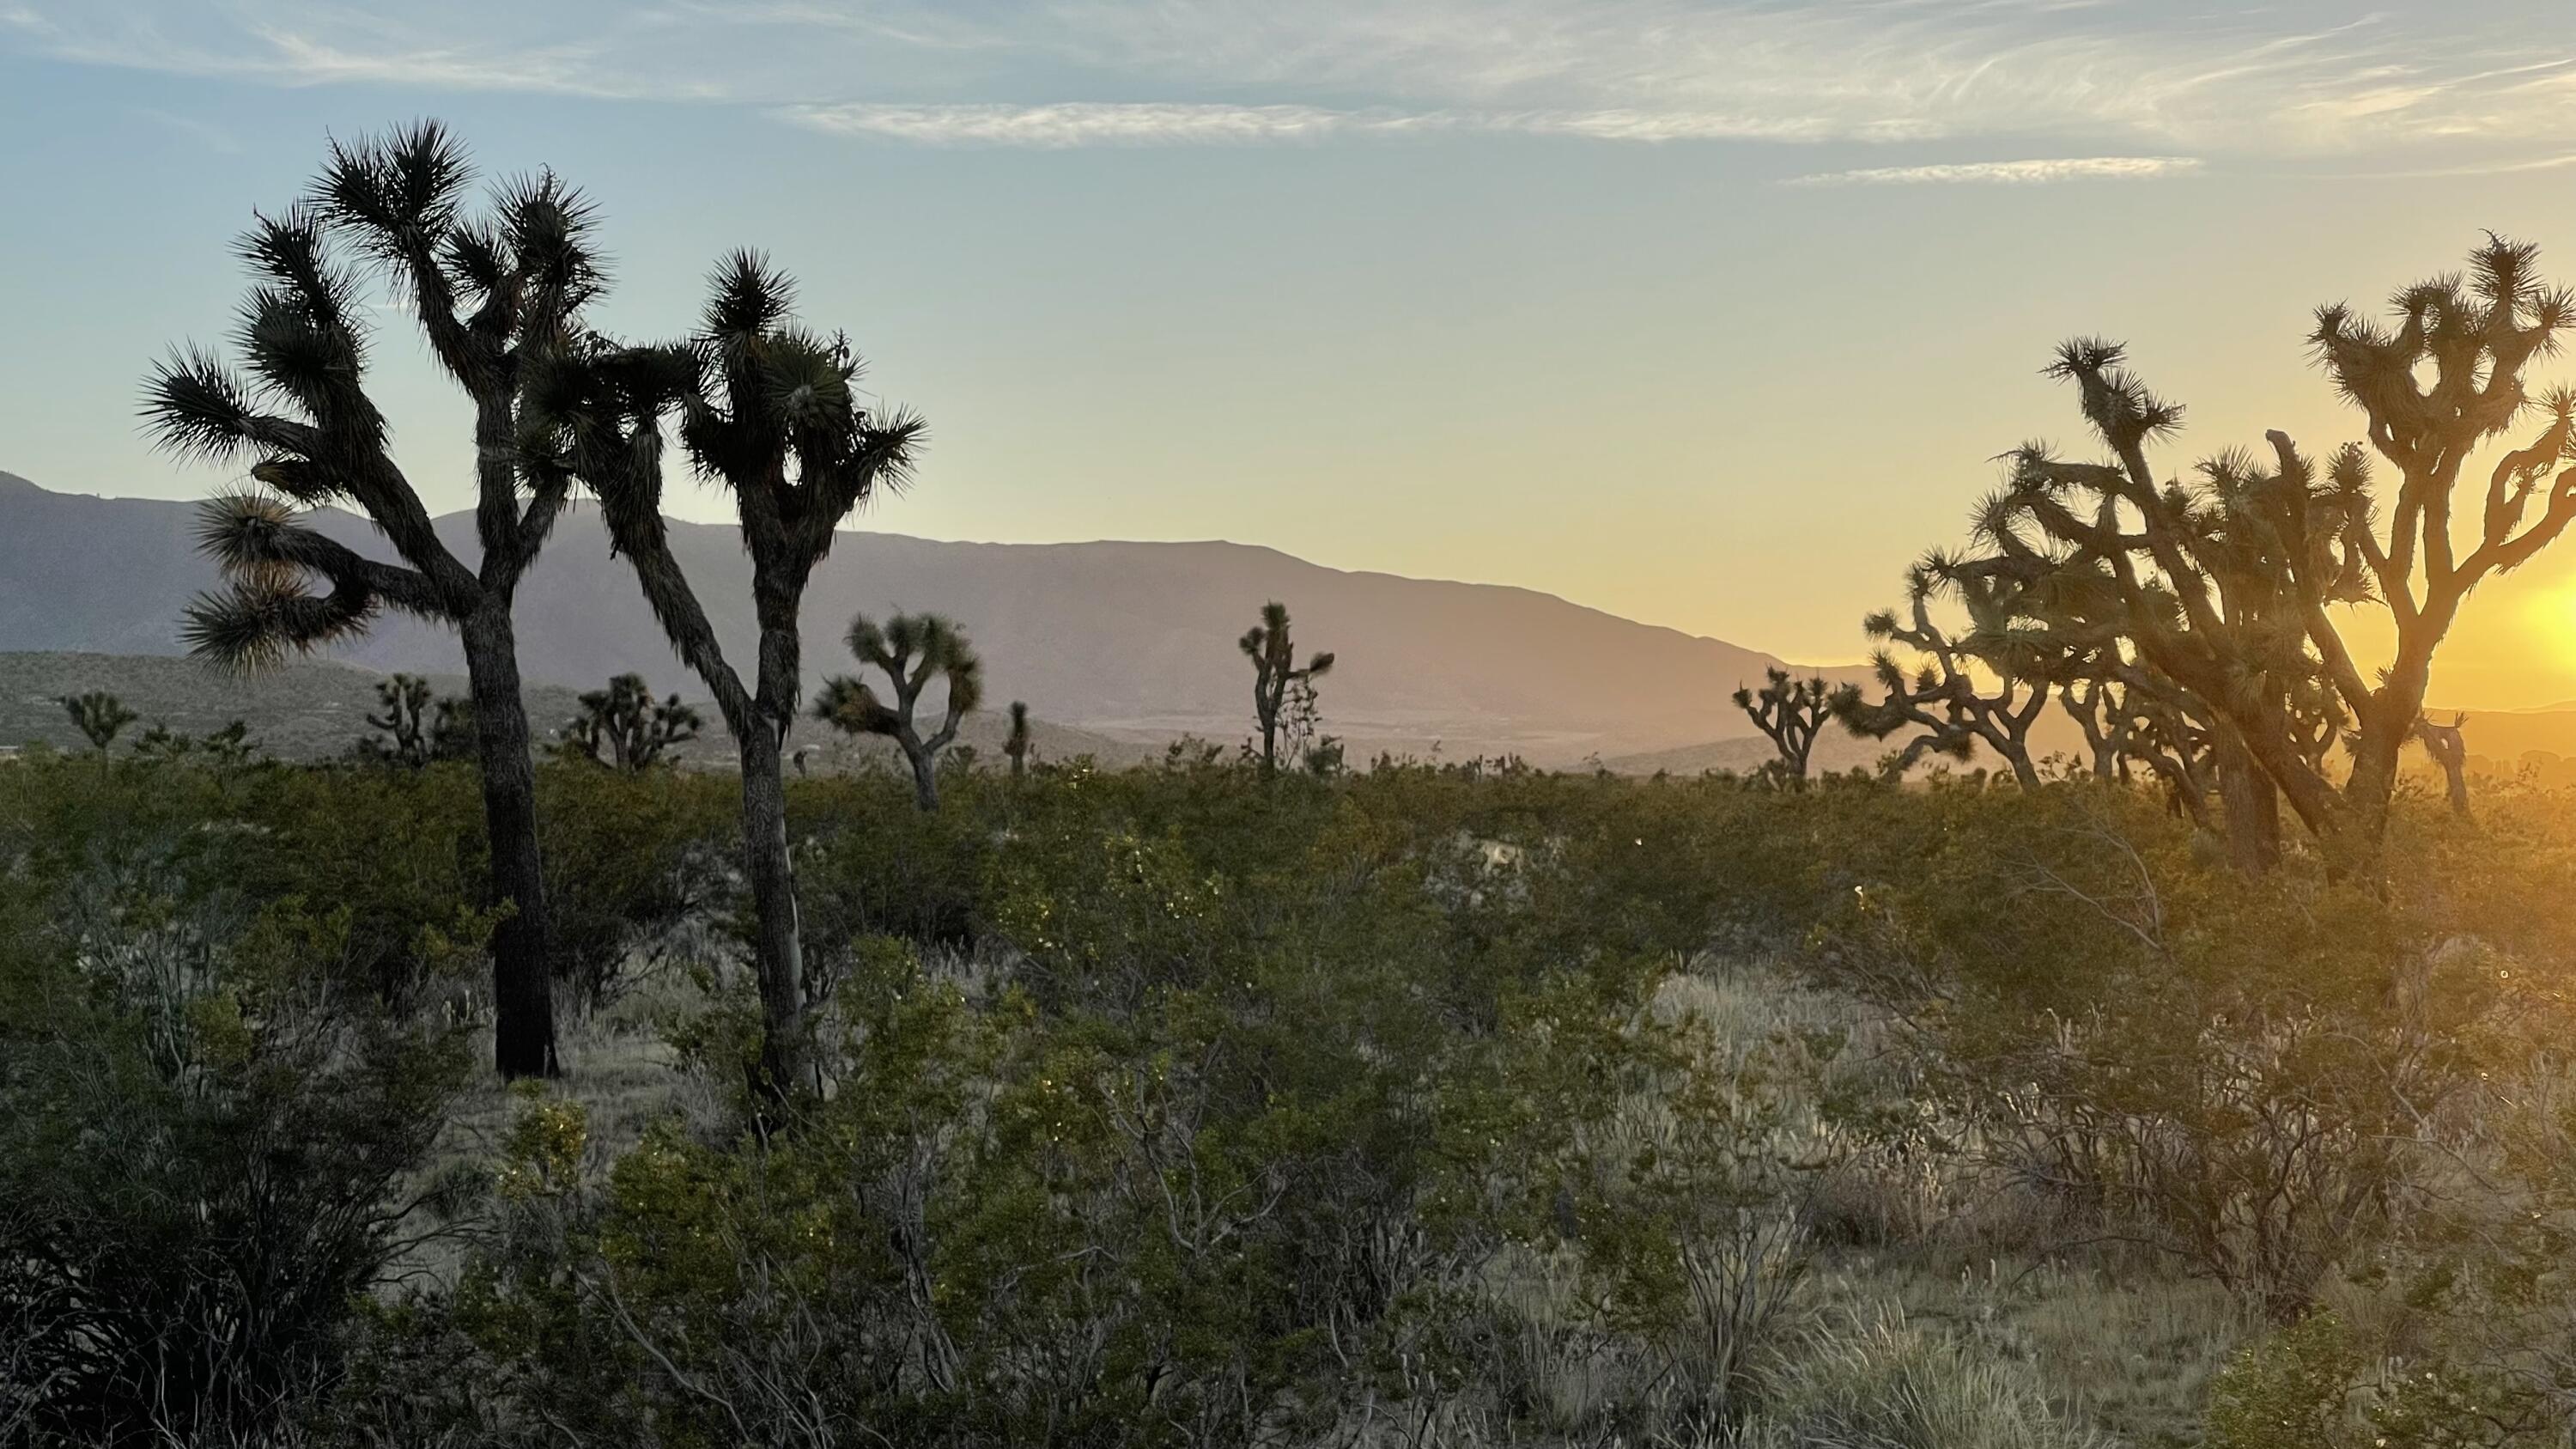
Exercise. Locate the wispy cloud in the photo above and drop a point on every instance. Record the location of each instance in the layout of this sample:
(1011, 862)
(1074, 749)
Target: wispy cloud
(1083, 123)
(2007, 173)
(2289, 79)
(1154, 123)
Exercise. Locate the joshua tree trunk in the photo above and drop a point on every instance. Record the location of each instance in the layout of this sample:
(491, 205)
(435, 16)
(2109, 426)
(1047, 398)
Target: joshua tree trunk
(778, 946)
(925, 776)
(2253, 810)
(523, 1040)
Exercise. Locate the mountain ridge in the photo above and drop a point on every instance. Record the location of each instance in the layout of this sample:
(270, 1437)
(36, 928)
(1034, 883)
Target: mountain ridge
(1129, 638)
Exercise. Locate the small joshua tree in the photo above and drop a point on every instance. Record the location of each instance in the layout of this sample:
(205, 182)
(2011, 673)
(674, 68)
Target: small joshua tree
(912, 650)
(414, 729)
(100, 717)
(1792, 712)
(1016, 746)
(2451, 752)
(1283, 695)
(625, 728)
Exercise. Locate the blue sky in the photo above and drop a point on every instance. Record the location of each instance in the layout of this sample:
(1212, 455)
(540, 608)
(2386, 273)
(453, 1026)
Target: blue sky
(1705, 312)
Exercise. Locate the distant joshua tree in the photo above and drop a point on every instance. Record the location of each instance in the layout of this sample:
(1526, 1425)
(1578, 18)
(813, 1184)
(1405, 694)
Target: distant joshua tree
(1283, 695)
(2449, 750)
(229, 747)
(100, 717)
(494, 292)
(625, 728)
(912, 649)
(1016, 745)
(1792, 712)
(413, 729)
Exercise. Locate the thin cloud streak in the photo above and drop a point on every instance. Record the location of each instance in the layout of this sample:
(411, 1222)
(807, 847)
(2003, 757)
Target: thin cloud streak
(1062, 125)
(2008, 173)
(2293, 79)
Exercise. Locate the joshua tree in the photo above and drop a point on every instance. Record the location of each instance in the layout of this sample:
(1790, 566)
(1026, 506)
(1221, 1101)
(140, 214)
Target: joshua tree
(1016, 746)
(1283, 695)
(494, 294)
(768, 412)
(2451, 752)
(1791, 712)
(100, 717)
(229, 747)
(412, 729)
(2228, 588)
(625, 728)
(1943, 697)
(912, 649)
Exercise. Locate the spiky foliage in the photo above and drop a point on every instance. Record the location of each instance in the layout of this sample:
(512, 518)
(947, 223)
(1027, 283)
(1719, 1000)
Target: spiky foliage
(1791, 712)
(1016, 745)
(496, 290)
(100, 717)
(911, 650)
(769, 412)
(2231, 585)
(625, 728)
(1985, 685)
(1283, 694)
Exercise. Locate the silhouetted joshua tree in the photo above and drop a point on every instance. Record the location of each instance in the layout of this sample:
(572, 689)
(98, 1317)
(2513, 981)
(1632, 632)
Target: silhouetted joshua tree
(1016, 745)
(767, 411)
(100, 717)
(1283, 695)
(2449, 750)
(2237, 580)
(493, 293)
(912, 650)
(412, 728)
(1943, 697)
(625, 728)
(1791, 712)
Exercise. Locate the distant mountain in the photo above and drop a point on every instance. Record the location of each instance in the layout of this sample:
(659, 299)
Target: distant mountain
(1131, 640)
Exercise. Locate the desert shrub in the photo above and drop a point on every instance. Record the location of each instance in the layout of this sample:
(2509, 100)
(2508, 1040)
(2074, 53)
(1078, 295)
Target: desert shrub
(2246, 1075)
(2316, 1383)
(632, 860)
(206, 1142)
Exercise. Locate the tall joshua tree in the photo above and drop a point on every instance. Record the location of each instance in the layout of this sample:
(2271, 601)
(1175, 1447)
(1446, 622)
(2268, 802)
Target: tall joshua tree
(100, 717)
(1015, 746)
(625, 728)
(494, 291)
(1277, 682)
(768, 412)
(1792, 712)
(912, 650)
(2231, 588)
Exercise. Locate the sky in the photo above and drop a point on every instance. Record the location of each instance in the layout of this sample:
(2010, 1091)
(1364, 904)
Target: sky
(1704, 312)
